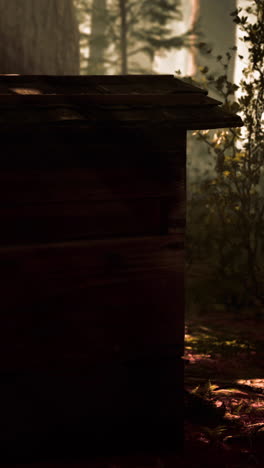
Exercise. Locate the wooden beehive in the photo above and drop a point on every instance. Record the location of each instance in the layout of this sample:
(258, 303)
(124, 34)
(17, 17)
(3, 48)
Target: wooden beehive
(92, 209)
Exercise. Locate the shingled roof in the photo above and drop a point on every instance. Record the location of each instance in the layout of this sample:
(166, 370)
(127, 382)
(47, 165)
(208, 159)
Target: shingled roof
(59, 101)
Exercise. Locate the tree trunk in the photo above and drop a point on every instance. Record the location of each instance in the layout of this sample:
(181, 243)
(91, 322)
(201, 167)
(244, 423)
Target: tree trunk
(98, 40)
(193, 52)
(39, 37)
(123, 37)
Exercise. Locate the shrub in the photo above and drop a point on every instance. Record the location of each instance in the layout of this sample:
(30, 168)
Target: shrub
(225, 215)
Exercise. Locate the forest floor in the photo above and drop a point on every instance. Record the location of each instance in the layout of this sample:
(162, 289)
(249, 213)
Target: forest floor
(224, 377)
(224, 355)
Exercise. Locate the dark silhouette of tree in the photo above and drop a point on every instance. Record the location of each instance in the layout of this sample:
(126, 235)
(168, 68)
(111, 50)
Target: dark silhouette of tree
(130, 32)
(98, 42)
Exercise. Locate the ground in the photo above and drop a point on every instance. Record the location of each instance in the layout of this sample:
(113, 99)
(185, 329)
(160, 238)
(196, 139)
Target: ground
(224, 364)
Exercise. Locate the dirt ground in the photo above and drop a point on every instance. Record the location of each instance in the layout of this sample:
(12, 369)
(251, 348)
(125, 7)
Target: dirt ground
(224, 365)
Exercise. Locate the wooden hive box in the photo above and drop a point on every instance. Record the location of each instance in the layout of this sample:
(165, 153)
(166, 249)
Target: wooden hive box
(92, 209)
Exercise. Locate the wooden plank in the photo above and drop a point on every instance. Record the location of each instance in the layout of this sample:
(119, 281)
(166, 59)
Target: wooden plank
(62, 267)
(104, 146)
(70, 304)
(68, 332)
(139, 141)
(99, 84)
(80, 184)
(191, 102)
(122, 146)
(63, 205)
(29, 98)
(51, 222)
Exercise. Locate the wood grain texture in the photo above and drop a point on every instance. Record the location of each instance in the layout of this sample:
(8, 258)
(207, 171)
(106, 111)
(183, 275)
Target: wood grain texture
(79, 185)
(87, 362)
(92, 210)
(66, 220)
(22, 97)
(27, 103)
(67, 199)
(59, 85)
(69, 304)
(64, 266)
(71, 331)
(91, 146)
(127, 142)
(54, 222)
(114, 409)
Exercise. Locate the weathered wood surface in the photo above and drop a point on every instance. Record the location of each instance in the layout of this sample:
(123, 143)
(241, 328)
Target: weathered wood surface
(70, 264)
(44, 222)
(65, 204)
(92, 211)
(90, 345)
(93, 147)
(69, 112)
(23, 97)
(128, 84)
(79, 185)
(113, 409)
(63, 195)
(62, 334)
(133, 99)
(72, 304)
(61, 221)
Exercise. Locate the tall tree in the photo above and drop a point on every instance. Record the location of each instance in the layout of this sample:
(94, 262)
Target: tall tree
(98, 42)
(194, 17)
(123, 36)
(39, 37)
(134, 30)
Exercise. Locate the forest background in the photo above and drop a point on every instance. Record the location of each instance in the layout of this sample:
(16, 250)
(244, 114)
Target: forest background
(209, 44)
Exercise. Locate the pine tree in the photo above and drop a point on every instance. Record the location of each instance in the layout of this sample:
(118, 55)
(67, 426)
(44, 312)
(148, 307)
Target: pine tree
(132, 31)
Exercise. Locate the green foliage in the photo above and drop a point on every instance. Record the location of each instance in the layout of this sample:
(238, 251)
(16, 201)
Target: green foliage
(225, 216)
(214, 434)
(214, 344)
(147, 29)
(240, 408)
(205, 390)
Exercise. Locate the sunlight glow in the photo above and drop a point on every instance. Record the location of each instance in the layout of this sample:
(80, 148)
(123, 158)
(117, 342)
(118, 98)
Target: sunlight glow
(169, 62)
(259, 383)
(25, 91)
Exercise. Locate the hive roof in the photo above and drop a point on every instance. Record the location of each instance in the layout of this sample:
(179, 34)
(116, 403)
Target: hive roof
(130, 99)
